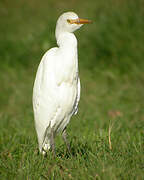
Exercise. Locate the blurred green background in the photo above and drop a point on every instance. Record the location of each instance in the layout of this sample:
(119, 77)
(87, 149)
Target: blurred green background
(111, 63)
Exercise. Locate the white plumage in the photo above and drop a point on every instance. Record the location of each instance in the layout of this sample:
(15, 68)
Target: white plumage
(56, 91)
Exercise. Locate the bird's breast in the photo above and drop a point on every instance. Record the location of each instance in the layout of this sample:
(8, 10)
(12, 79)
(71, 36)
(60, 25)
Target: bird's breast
(66, 68)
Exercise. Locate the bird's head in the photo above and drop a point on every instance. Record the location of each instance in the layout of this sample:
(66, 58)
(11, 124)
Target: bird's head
(69, 22)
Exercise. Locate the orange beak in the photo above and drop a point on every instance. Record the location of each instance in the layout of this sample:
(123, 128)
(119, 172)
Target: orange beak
(79, 21)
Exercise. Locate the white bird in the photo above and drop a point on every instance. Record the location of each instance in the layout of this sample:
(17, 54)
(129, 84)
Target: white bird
(56, 91)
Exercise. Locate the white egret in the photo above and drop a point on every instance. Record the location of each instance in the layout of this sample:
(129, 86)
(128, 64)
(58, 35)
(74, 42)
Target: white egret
(56, 91)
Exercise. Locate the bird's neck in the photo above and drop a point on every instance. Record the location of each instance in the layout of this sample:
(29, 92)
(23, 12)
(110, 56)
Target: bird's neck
(67, 39)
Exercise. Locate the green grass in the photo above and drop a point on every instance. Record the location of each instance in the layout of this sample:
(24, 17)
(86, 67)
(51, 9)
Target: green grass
(111, 62)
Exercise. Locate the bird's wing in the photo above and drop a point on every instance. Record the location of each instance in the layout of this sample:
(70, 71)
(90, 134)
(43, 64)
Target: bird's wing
(45, 100)
(53, 95)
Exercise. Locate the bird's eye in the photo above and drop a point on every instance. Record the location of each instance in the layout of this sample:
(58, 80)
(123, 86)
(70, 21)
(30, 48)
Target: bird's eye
(72, 21)
(69, 21)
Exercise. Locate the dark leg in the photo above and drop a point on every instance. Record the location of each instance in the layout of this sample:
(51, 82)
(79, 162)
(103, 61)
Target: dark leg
(64, 135)
(52, 142)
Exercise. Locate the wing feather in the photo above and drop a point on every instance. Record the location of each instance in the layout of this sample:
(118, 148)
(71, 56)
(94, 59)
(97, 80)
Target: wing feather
(77, 98)
(45, 103)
